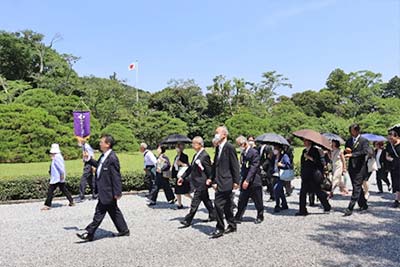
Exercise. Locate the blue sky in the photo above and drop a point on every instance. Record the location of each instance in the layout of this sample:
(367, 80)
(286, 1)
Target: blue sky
(303, 40)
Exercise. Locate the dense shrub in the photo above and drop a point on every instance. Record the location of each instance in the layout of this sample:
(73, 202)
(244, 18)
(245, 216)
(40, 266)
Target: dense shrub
(36, 187)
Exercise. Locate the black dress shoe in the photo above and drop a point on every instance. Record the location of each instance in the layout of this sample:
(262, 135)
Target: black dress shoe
(277, 209)
(209, 220)
(286, 207)
(348, 212)
(124, 233)
(217, 234)
(258, 220)
(237, 221)
(185, 224)
(85, 236)
(180, 207)
(151, 203)
(300, 213)
(327, 209)
(230, 230)
(364, 208)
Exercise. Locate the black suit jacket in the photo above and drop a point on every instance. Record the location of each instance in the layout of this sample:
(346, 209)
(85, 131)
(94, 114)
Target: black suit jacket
(358, 161)
(108, 184)
(226, 168)
(196, 174)
(250, 170)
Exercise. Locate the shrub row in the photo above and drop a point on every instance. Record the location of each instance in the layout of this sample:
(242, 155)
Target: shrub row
(36, 187)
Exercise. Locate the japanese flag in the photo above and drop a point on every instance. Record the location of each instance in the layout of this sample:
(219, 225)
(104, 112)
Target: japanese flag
(132, 66)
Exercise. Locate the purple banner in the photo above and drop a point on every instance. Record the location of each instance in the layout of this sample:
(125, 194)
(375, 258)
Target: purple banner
(82, 123)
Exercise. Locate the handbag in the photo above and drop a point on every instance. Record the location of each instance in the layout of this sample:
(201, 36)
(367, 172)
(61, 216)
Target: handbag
(326, 184)
(318, 176)
(286, 174)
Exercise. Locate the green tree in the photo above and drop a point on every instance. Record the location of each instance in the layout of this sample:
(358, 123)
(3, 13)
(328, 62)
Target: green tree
(27, 134)
(392, 88)
(152, 126)
(247, 124)
(125, 141)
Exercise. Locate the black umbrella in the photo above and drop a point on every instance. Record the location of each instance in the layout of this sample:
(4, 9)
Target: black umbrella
(272, 138)
(175, 139)
(332, 136)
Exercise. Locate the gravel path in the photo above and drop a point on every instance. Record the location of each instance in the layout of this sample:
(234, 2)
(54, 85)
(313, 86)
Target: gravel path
(30, 237)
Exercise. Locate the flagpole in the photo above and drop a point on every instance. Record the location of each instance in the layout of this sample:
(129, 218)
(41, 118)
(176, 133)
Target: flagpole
(137, 80)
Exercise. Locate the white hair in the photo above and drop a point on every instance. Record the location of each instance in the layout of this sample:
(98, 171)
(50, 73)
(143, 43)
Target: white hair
(241, 140)
(143, 145)
(199, 140)
(224, 130)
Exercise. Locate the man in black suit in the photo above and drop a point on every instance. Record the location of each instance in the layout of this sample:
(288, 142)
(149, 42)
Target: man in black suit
(251, 185)
(109, 190)
(356, 151)
(225, 177)
(198, 173)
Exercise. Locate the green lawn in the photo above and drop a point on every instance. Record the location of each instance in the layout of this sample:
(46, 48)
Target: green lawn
(129, 162)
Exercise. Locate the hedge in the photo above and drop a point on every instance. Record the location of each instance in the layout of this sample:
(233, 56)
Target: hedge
(36, 187)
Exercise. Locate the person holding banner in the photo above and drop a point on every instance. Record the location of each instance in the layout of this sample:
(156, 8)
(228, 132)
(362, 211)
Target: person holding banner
(109, 189)
(87, 176)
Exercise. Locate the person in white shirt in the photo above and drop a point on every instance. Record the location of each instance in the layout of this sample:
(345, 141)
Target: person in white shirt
(57, 177)
(149, 166)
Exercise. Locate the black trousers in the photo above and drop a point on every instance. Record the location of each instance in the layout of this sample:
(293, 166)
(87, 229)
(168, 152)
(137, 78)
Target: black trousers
(161, 183)
(87, 178)
(270, 182)
(115, 214)
(224, 207)
(50, 193)
(382, 175)
(357, 196)
(149, 177)
(198, 197)
(256, 194)
(312, 187)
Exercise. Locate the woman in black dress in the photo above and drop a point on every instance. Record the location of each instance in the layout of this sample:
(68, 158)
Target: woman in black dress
(312, 171)
(393, 156)
(181, 160)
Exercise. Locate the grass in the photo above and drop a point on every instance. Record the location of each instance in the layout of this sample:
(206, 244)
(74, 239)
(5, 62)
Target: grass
(132, 162)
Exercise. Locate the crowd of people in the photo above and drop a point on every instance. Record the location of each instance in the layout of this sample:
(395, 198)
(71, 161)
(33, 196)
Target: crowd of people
(269, 165)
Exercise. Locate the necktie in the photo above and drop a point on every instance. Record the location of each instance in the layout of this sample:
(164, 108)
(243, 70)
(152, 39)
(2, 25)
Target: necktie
(98, 171)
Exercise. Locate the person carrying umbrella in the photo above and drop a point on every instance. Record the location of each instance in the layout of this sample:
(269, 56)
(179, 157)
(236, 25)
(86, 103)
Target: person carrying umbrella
(312, 169)
(181, 161)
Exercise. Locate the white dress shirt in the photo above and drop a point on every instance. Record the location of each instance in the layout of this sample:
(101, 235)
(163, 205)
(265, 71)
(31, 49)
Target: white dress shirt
(221, 146)
(103, 158)
(149, 158)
